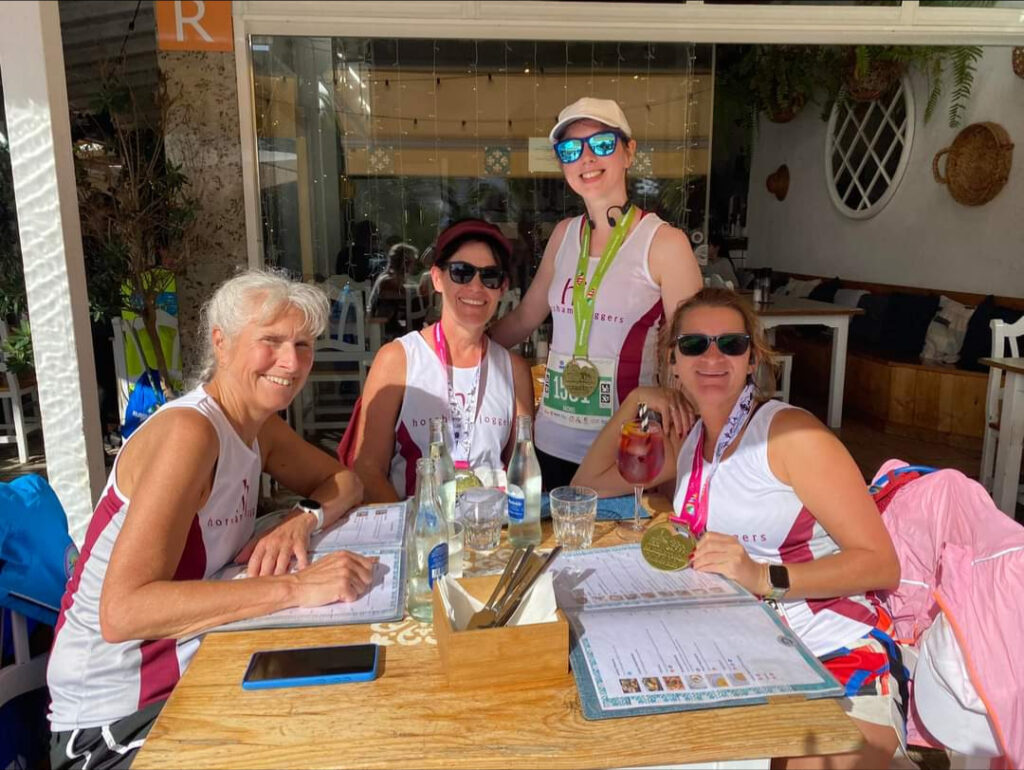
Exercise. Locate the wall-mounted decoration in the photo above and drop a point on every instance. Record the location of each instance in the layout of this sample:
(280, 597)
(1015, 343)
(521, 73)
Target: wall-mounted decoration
(497, 160)
(778, 182)
(381, 160)
(978, 163)
(643, 163)
(1018, 61)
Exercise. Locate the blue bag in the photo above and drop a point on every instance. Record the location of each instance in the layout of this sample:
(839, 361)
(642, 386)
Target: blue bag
(145, 398)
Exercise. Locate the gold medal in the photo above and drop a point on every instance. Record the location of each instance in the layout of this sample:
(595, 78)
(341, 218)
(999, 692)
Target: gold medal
(667, 546)
(580, 378)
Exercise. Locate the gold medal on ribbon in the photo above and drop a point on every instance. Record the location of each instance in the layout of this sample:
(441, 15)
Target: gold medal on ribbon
(667, 546)
(580, 378)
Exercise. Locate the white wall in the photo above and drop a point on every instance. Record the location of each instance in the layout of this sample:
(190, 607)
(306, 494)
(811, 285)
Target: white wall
(922, 237)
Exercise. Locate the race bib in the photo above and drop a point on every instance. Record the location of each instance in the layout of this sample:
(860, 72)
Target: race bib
(588, 413)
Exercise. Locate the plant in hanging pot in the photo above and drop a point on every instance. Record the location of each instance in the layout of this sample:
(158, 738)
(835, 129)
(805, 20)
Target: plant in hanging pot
(777, 80)
(867, 72)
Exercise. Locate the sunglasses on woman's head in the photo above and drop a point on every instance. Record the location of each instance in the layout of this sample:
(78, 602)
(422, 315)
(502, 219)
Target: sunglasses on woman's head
(602, 144)
(463, 272)
(732, 344)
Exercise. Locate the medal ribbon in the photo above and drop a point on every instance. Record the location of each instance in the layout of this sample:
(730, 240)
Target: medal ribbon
(583, 296)
(465, 431)
(695, 505)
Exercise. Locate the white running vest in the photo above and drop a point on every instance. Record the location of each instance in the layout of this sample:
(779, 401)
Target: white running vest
(748, 501)
(627, 314)
(93, 682)
(426, 396)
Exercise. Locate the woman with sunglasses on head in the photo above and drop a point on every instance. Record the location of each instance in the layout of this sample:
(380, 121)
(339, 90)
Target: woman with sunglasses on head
(449, 370)
(779, 506)
(608, 278)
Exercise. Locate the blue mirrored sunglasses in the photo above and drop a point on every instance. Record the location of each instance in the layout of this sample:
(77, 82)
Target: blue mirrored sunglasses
(602, 144)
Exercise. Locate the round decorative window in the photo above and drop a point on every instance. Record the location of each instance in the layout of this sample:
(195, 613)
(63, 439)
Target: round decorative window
(867, 147)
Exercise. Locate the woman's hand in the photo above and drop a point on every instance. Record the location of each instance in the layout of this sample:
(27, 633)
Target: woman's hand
(726, 556)
(342, 576)
(677, 416)
(271, 552)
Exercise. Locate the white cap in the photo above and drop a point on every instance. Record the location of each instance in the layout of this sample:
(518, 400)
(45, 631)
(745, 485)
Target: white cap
(945, 698)
(605, 111)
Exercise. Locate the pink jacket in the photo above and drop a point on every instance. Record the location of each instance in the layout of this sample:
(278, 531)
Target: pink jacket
(961, 555)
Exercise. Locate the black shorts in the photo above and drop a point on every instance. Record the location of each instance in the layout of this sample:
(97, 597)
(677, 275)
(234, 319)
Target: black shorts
(554, 471)
(110, 746)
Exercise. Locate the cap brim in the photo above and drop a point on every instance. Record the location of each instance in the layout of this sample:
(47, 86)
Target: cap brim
(563, 123)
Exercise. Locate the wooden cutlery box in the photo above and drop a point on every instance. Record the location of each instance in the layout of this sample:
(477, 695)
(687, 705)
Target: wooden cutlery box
(499, 656)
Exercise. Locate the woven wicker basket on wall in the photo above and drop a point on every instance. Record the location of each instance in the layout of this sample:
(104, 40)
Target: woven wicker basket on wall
(978, 164)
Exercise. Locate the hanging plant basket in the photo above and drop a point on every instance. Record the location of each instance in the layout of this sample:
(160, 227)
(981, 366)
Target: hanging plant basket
(784, 113)
(978, 163)
(880, 78)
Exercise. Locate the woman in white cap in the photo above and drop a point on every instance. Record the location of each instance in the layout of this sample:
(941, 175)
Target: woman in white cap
(608, 279)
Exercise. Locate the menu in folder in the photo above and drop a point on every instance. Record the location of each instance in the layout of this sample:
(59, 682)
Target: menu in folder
(646, 641)
(375, 530)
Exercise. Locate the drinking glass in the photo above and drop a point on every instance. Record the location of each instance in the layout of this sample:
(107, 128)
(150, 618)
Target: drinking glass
(573, 512)
(482, 511)
(455, 564)
(641, 457)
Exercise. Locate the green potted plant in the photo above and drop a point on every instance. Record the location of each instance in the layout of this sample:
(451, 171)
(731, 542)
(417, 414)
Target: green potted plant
(137, 207)
(869, 71)
(775, 80)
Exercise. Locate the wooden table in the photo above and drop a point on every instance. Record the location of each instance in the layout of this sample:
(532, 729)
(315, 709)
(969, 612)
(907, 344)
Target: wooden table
(798, 311)
(410, 717)
(1011, 434)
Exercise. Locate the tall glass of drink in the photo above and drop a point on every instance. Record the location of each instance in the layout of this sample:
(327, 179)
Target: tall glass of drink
(641, 457)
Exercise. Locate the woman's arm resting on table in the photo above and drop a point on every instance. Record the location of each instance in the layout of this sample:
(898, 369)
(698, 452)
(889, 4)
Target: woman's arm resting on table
(305, 469)
(167, 474)
(674, 268)
(518, 324)
(599, 469)
(806, 455)
(375, 431)
(522, 380)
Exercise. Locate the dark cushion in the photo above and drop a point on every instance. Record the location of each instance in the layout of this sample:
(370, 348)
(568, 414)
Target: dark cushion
(978, 339)
(906, 324)
(826, 290)
(866, 329)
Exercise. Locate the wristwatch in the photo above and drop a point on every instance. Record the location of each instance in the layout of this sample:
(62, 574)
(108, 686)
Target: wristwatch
(309, 505)
(778, 579)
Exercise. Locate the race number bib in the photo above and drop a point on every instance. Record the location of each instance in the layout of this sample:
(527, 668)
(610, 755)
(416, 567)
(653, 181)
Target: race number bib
(590, 412)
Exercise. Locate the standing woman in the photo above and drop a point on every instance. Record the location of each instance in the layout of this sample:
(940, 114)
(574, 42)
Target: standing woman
(608, 279)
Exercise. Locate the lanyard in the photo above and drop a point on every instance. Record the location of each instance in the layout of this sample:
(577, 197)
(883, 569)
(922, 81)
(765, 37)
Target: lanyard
(583, 296)
(695, 505)
(462, 426)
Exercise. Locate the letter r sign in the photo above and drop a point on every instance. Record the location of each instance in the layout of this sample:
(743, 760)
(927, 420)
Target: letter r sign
(194, 25)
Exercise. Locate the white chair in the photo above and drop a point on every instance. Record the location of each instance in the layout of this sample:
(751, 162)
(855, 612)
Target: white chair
(777, 388)
(416, 307)
(341, 354)
(14, 389)
(1006, 341)
(507, 302)
(128, 354)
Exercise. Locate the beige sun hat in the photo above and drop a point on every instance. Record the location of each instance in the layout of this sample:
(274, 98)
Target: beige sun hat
(605, 111)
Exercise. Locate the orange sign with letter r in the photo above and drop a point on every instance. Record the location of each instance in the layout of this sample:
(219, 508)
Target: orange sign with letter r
(194, 25)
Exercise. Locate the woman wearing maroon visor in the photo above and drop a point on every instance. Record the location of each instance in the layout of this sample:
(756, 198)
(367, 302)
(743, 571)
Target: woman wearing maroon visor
(608, 279)
(448, 370)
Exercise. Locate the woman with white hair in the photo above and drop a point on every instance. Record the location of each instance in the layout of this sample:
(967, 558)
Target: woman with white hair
(179, 505)
(608, 278)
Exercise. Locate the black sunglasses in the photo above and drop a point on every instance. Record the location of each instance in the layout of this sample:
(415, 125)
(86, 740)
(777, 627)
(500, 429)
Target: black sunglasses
(732, 344)
(463, 272)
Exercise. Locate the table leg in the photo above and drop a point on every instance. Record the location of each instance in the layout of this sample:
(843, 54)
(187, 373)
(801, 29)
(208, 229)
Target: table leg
(1010, 443)
(837, 374)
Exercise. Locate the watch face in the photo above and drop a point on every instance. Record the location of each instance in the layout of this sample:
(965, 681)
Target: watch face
(309, 504)
(778, 576)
